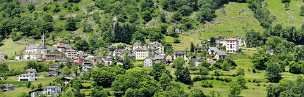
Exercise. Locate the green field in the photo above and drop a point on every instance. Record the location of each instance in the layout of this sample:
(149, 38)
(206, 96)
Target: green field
(290, 17)
(234, 19)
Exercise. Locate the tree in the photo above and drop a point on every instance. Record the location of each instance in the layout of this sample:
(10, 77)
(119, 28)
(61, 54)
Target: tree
(235, 89)
(285, 1)
(74, 1)
(69, 92)
(123, 32)
(71, 24)
(179, 62)
(106, 75)
(127, 64)
(192, 47)
(273, 90)
(206, 11)
(16, 35)
(82, 45)
(66, 70)
(253, 39)
(302, 10)
(203, 70)
(183, 75)
(99, 92)
(228, 64)
(296, 67)
(174, 91)
(3, 69)
(170, 5)
(197, 93)
(185, 10)
(241, 81)
(273, 72)
(135, 81)
(40, 67)
(158, 70)
(259, 60)
(87, 28)
(165, 81)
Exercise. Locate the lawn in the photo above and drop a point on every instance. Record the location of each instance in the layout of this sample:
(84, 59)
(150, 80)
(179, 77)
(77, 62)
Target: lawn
(17, 65)
(18, 92)
(186, 40)
(11, 48)
(234, 19)
(285, 17)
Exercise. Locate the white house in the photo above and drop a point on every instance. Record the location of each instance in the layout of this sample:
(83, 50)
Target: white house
(71, 53)
(51, 90)
(30, 75)
(27, 77)
(141, 53)
(232, 45)
(148, 62)
(48, 91)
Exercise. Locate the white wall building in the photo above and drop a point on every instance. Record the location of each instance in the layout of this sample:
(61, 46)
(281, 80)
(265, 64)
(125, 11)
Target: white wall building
(232, 45)
(71, 53)
(141, 53)
(30, 75)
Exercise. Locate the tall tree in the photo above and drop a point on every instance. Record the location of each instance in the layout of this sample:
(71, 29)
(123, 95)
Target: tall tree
(273, 72)
(183, 75)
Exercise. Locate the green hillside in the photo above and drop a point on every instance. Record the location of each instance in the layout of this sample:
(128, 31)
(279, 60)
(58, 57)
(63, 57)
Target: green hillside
(286, 16)
(234, 19)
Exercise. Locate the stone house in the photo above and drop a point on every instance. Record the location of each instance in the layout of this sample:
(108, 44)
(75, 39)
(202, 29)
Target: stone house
(216, 54)
(148, 62)
(7, 87)
(2, 56)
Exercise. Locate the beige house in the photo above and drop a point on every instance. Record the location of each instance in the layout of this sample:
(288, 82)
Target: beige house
(141, 53)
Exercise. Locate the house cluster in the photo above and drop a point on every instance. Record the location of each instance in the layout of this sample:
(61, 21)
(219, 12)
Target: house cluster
(60, 52)
(40, 53)
(48, 91)
(151, 53)
(224, 46)
(29, 75)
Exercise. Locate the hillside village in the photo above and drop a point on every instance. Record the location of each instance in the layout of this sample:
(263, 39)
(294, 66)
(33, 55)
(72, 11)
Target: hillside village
(147, 53)
(151, 48)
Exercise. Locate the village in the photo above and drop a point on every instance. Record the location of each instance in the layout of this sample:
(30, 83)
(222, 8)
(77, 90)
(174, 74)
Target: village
(146, 54)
